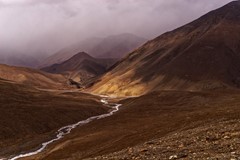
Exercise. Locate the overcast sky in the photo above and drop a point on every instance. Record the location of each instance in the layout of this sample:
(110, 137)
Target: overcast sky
(45, 26)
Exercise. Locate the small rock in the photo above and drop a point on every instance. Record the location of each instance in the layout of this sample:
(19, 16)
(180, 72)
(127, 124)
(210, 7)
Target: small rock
(226, 137)
(181, 146)
(173, 157)
(149, 143)
(144, 150)
(182, 155)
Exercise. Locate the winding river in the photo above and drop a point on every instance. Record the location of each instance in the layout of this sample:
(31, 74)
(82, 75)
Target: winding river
(67, 129)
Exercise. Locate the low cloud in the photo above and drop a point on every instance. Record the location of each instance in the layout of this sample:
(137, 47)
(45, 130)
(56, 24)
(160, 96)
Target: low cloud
(45, 26)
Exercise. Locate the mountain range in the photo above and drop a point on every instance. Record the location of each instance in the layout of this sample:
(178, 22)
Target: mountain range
(18, 59)
(115, 46)
(201, 55)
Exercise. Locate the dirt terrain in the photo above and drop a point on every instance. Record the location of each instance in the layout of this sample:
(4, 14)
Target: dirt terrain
(150, 117)
(30, 116)
(216, 141)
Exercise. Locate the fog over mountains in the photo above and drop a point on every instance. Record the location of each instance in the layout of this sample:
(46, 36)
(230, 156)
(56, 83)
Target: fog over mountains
(43, 27)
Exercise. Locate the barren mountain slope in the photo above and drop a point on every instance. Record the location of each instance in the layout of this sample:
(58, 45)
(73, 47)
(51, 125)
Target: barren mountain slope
(81, 67)
(115, 46)
(31, 77)
(204, 54)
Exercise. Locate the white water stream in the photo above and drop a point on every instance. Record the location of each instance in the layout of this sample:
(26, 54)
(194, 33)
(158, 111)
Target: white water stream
(67, 129)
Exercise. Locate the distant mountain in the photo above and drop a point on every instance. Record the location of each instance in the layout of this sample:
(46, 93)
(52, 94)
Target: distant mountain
(110, 47)
(31, 77)
(204, 54)
(117, 46)
(70, 51)
(81, 67)
(18, 59)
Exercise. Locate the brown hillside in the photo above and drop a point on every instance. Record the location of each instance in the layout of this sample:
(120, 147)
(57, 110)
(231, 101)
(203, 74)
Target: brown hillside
(81, 67)
(30, 117)
(204, 54)
(31, 77)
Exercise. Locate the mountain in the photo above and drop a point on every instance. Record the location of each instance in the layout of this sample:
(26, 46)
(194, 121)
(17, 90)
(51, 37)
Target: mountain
(117, 46)
(18, 59)
(70, 51)
(110, 47)
(204, 54)
(81, 67)
(31, 77)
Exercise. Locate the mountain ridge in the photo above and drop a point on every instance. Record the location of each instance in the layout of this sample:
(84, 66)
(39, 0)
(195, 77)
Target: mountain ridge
(191, 57)
(98, 47)
(81, 67)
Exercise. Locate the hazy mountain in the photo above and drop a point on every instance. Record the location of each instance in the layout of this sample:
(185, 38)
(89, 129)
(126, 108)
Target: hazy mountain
(18, 59)
(70, 51)
(81, 67)
(204, 54)
(110, 47)
(117, 46)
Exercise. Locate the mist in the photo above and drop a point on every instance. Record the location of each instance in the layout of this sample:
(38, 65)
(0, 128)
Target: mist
(42, 27)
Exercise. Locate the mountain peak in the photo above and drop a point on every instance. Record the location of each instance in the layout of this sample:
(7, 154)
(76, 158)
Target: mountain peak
(83, 55)
(230, 11)
(236, 2)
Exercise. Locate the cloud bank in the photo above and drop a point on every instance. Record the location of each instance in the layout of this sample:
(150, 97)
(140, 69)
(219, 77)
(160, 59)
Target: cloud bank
(44, 26)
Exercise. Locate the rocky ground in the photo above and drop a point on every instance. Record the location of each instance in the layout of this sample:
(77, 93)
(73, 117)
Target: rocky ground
(216, 141)
(160, 125)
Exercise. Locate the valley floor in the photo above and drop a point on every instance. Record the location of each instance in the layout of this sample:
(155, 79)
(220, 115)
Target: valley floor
(30, 117)
(165, 125)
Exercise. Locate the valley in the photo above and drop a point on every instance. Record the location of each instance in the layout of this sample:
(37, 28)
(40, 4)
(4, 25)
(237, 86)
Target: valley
(122, 97)
(30, 116)
(140, 121)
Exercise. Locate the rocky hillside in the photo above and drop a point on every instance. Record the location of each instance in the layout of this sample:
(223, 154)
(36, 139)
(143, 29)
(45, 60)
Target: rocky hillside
(204, 54)
(210, 141)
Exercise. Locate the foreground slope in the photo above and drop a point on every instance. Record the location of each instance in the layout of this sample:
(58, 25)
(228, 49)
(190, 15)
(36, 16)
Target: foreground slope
(31, 77)
(210, 141)
(204, 54)
(81, 67)
(30, 117)
(156, 116)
